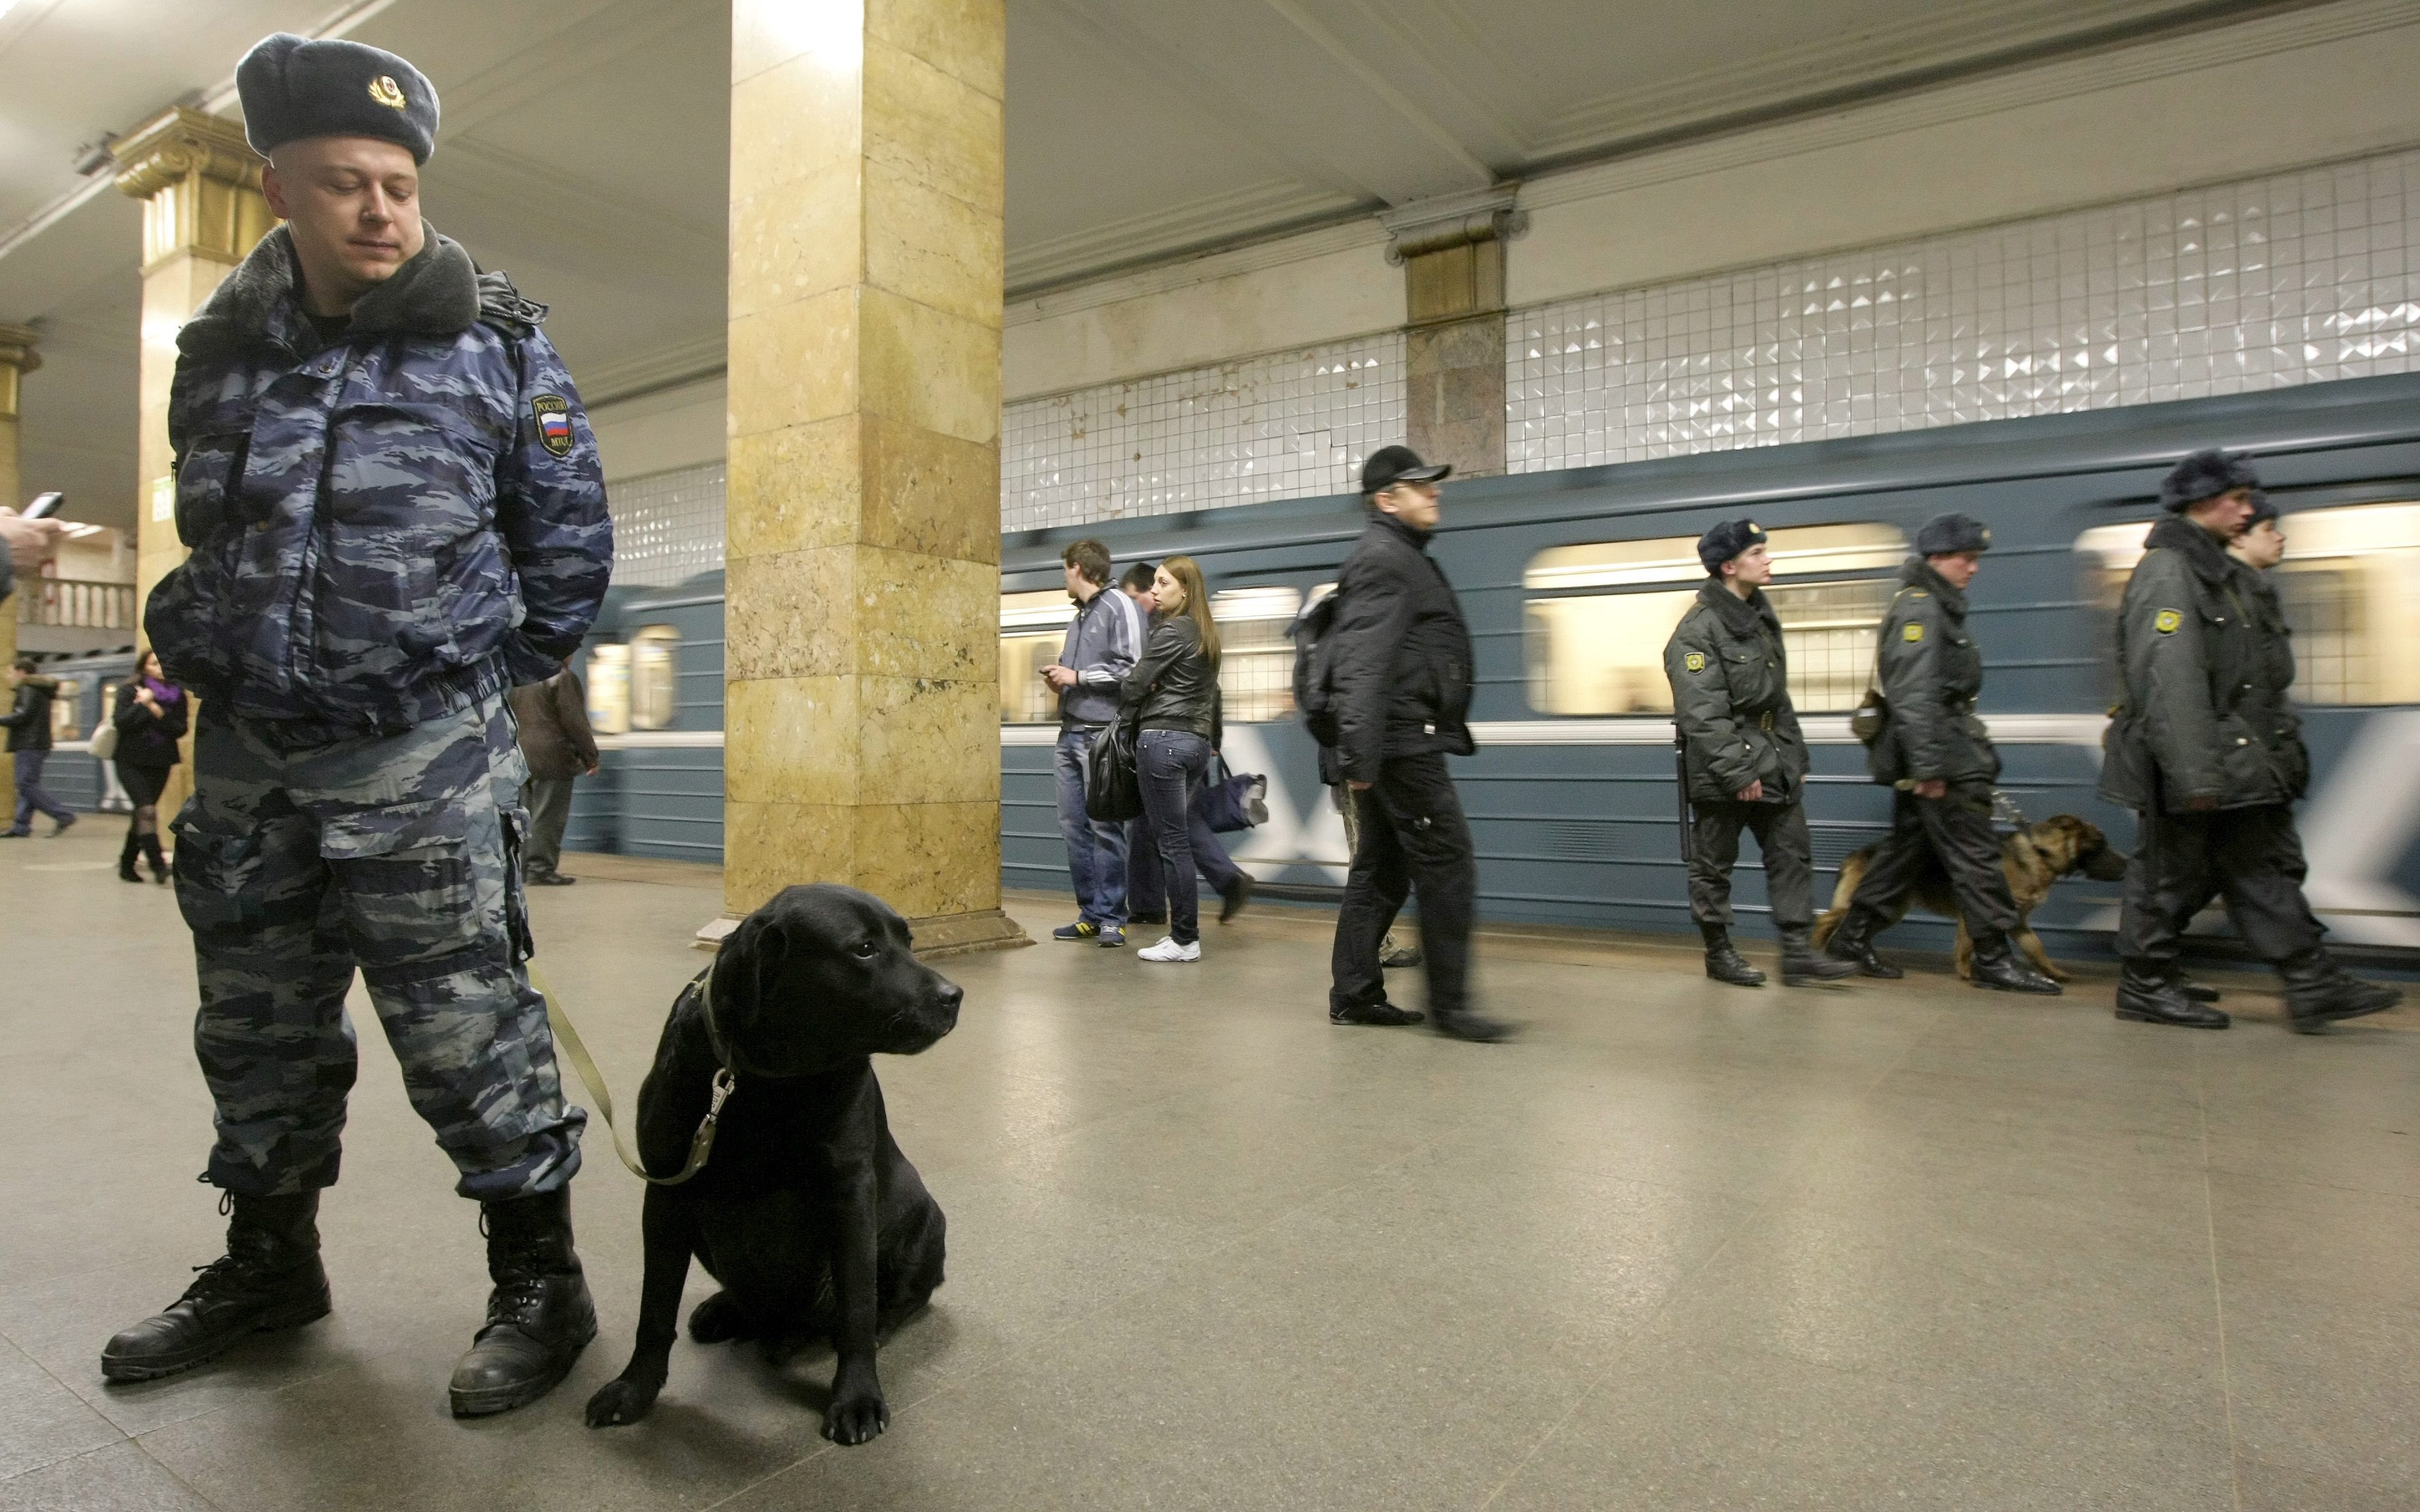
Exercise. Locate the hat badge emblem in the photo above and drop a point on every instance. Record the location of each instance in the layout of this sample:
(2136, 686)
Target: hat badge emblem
(387, 92)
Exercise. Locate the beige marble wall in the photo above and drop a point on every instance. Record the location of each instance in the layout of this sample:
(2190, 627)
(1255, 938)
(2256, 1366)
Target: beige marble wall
(862, 708)
(1454, 352)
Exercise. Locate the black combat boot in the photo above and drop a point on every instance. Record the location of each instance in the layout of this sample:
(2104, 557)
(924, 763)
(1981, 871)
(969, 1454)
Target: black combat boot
(1803, 964)
(2193, 989)
(1723, 961)
(126, 872)
(539, 1317)
(2318, 992)
(2146, 995)
(1997, 967)
(1853, 942)
(269, 1278)
(1464, 1024)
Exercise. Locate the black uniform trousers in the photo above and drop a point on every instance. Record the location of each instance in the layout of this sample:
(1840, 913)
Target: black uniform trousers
(1780, 831)
(1413, 839)
(2253, 858)
(1950, 834)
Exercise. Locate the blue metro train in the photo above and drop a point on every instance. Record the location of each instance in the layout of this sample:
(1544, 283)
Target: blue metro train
(1572, 581)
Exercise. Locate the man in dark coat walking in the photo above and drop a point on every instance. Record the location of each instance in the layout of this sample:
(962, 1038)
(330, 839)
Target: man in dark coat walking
(2204, 747)
(1744, 758)
(1398, 665)
(551, 720)
(1936, 756)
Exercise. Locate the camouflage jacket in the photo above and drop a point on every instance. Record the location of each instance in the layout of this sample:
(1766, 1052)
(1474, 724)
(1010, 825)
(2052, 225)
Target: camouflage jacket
(386, 528)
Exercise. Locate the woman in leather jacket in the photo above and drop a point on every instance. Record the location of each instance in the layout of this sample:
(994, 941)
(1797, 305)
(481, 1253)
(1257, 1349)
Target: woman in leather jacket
(1173, 695)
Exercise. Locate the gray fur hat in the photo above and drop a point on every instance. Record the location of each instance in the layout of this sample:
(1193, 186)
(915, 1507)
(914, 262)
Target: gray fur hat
(1948, 535)
(293, 87)
(2263, 507)
(1725, 540)
(2205, 474)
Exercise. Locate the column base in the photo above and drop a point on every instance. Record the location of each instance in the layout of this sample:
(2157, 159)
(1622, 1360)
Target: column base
(984, 929)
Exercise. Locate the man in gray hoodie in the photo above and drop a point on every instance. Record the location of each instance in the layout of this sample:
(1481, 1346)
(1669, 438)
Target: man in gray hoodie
(1103, 641)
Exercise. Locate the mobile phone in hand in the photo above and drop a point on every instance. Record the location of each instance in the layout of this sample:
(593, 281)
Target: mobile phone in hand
(44, 505)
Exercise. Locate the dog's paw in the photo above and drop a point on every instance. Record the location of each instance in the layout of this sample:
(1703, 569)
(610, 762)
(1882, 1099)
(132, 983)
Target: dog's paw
(617, 1402)
(718, 1320)
(855, 1420)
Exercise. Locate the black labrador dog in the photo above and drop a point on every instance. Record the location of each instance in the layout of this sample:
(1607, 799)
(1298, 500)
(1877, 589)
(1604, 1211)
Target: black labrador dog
(806, 1212)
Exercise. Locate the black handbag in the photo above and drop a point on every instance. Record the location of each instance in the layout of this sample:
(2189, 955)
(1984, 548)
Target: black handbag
(1113, 785)
(1231, 800)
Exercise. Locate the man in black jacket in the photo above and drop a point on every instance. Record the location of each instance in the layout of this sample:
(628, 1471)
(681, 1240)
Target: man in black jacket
(28, 722)
(2204, 747)
(1744, 758)
(1398, 676)
(1938, 759)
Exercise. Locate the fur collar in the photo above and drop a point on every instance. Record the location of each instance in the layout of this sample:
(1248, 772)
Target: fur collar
(437, 293)
(1742, 616)
(1917, 573)
(2200, 549)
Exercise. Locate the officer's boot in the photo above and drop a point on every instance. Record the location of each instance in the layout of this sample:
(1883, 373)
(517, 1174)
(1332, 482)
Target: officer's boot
(126, 872)
(1723, 961)
(2318, 992)
(2147, 994)
(1997, 967)
(1803, 964)
(2193, 989)
(1853, 942)
(539, 1317)
(269, 1278)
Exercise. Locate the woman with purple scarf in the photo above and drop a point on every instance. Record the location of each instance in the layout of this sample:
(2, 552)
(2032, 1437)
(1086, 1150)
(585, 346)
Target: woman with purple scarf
(151, 716)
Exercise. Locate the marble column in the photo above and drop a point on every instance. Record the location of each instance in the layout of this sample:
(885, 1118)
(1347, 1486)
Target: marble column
(1451, 252)
(17, 359)
(200, 182)
(861, 699)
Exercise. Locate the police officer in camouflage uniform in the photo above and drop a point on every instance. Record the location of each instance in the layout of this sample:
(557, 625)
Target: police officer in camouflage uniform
(394, 512)
(1936, 756)
(1744, 758)
(2205, 747)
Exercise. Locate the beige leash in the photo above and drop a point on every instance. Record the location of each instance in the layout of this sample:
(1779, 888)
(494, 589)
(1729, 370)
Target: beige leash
(701, 1144)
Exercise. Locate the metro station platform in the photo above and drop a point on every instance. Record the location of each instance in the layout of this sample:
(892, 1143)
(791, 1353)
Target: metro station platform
(1681, 1246)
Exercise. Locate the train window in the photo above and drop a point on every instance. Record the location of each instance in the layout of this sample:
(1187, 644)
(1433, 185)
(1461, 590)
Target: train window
(654, 676)
(67, 710)
(1033, 629)
(608, 689)
(2350, 588)
(1255, 654)
(1595, 629)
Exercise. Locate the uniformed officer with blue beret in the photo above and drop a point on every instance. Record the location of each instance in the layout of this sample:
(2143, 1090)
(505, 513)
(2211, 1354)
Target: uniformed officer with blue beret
(2203, 746)
(1935, 755)
(395, 513)
(1742, 759)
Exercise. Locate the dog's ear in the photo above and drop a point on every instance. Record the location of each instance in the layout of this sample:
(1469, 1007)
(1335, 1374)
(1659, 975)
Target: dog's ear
(746, 967)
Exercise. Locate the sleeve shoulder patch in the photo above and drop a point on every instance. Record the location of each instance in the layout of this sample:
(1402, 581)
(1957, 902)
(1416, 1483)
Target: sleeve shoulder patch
(2166, 620)
(1695, 661)
(1911, 632)
(554, 416)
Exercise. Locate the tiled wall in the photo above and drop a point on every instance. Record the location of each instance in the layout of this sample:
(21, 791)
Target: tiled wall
(1282, 426)
(2297, 278)
(668, 527)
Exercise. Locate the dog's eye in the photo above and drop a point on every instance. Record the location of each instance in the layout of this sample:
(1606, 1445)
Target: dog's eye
(865, 951)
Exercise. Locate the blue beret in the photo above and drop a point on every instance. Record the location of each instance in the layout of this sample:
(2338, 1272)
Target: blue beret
(1727, 540)
(2205, 474)
(1945, 535)
(293, 87)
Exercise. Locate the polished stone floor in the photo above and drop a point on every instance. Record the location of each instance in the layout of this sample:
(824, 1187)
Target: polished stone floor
(1682, 1246)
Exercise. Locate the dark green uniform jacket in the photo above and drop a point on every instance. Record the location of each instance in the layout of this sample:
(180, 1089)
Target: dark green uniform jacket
(2270, 705)
(2196, 717)
(1932, 674)
(1730, 698)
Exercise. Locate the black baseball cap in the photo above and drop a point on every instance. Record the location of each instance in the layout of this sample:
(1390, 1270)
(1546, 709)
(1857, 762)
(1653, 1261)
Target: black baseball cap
(1390, 465)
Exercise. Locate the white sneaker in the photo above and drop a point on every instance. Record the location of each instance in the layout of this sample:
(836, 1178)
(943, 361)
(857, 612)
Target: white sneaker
(1168, 950)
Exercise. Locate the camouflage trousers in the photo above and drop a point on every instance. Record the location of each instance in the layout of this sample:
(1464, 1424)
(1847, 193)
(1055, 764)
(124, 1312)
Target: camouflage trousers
(396, 855)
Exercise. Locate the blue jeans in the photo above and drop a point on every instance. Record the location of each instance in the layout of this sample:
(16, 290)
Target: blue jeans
(1097, 852)
(31, 794)
(1146, 886)
(1173, 763)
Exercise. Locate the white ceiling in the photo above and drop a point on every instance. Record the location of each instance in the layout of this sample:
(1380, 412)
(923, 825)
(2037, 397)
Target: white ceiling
(585, 141)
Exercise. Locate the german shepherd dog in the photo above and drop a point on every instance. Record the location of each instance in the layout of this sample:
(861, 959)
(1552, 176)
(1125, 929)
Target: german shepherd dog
(2032, 859)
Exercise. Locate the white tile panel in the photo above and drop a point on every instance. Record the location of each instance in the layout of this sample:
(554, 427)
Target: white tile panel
(667, 527)
(1287, 425)
(2295, 278)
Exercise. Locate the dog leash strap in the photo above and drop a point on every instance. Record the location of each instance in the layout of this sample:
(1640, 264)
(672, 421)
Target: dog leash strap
(700, 1145)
